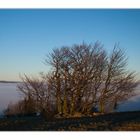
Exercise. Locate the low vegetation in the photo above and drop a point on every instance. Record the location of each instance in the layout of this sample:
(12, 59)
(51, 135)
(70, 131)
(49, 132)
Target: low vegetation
(125, 121)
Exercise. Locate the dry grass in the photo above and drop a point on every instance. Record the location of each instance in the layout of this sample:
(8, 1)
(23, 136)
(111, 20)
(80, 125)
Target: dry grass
(127, 121)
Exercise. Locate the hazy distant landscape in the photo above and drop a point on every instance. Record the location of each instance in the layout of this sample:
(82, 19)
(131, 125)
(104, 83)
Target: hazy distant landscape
(8, 94)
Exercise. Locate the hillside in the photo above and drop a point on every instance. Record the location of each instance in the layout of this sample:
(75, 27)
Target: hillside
(124, 121)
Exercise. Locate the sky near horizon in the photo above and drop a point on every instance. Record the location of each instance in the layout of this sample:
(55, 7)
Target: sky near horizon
(27, 36)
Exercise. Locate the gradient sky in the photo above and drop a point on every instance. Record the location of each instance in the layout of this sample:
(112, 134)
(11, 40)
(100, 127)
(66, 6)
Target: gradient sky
(26, 36)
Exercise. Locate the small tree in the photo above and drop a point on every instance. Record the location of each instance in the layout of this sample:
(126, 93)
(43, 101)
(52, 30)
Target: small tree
(15, 109)
(35, 92)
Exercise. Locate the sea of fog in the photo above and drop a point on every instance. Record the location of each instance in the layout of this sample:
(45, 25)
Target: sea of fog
(10, 94)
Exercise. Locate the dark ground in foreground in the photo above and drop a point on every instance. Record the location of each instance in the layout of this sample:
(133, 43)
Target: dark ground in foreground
(125, 121)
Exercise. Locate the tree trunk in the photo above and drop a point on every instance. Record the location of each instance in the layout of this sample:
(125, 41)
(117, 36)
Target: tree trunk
(59, 108)
(72, 106)
(101, 107)
(65, 106)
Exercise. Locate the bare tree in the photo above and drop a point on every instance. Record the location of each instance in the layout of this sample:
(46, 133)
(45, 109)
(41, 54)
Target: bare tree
(76, 77)
(35, 93)
(88, 77)
(82, 77)
(118, 83)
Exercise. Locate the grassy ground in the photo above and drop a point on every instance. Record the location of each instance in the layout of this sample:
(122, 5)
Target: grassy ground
(126, 121)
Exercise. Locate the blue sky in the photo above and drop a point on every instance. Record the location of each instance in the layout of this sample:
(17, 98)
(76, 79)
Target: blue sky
(26, 36)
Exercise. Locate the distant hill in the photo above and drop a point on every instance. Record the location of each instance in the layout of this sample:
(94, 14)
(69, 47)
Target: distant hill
(10, 82)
